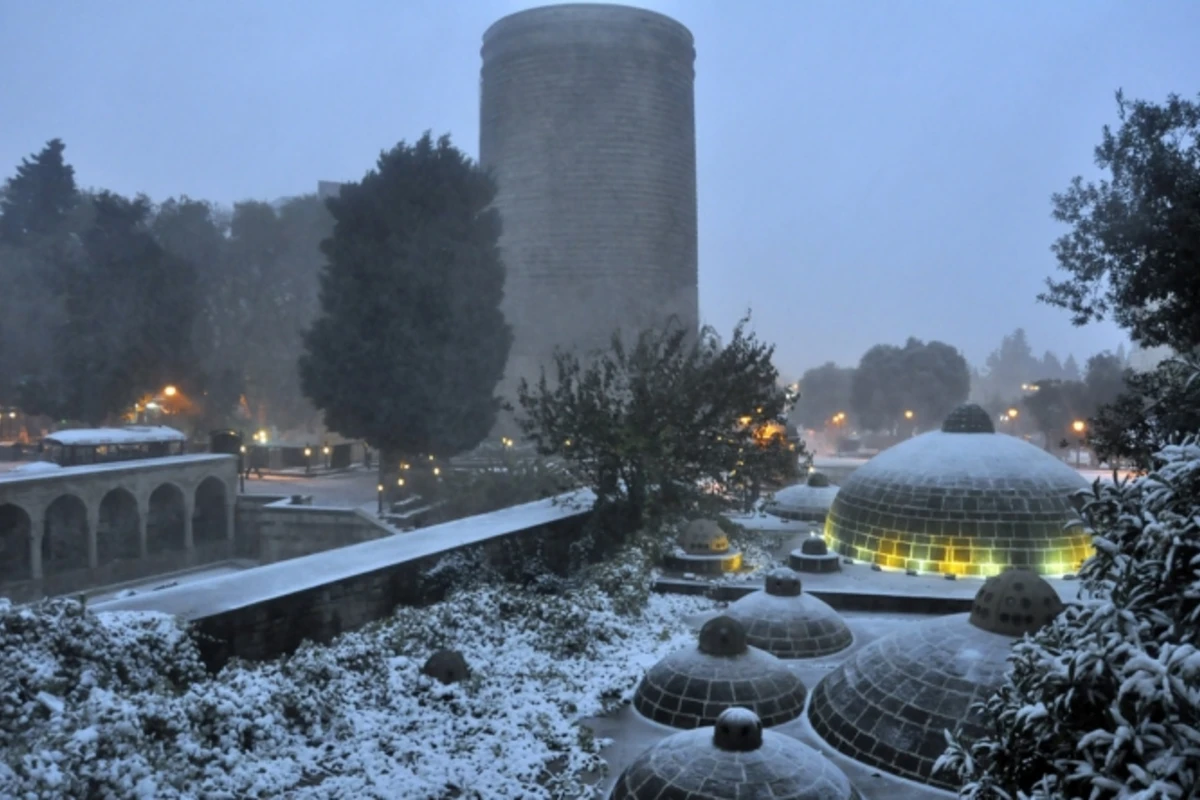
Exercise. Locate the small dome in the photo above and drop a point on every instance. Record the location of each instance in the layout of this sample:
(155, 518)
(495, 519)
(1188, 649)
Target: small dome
(805, 502)
(814, 546)
(783, 582)
(968, 418)
(790, 625)
(736, 758)
(722, 636)
(961, 504)
(703, 537)
(1015, 603)
(447, 666)
(888, 704)
(691, 688)
(817, 480)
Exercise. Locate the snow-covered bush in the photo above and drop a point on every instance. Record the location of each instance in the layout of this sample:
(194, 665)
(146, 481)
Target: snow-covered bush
(126, 711)
(1105, 701)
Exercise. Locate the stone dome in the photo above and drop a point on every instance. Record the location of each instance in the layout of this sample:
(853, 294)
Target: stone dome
(804, 502)
(889, 703)
(735, 758)
(1015, 603)
(690, 688)
(788, 624)
(703, 537)
(968, 418)
(964, 503)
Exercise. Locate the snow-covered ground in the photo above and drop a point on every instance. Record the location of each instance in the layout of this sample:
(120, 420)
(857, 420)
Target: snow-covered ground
(117, 704)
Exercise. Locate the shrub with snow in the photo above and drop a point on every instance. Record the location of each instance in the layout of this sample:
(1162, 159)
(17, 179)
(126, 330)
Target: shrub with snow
(125, 710)
(1105, 701)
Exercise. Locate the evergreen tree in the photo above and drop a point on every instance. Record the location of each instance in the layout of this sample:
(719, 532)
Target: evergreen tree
(130, 308)
(1071, 369)
(37, 201)
(411, 342)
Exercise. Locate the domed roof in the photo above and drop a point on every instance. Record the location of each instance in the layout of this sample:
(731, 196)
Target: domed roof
(789, 624)
(962, 503)
(736, 758)
(1015, 603)
(808, 501)
(690, 688)
(703, 537)
(889, 703)
(968, 418)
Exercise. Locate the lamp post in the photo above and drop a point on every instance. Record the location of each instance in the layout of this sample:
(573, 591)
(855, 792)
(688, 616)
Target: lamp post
(326, 450)
(1079, 426)
(307, 460)
(379, 495)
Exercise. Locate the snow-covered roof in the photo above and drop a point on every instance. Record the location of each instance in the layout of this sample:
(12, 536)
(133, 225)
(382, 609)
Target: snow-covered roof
(229, 592)
(131, 465)
(132, 434)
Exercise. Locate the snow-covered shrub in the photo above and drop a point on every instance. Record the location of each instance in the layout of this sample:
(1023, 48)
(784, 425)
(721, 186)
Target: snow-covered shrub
(126, 710)
(1105, 701)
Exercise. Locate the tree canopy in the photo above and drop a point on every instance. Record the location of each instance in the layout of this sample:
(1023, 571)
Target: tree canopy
(1133, 250)
(664, 425)
(410, 342)
(824, 392)
(929, 379)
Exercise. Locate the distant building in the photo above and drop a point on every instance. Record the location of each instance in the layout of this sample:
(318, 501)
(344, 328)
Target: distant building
(329, 189)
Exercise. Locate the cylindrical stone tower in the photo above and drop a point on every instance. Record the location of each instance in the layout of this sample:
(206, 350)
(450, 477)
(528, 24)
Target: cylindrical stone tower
(587, 124)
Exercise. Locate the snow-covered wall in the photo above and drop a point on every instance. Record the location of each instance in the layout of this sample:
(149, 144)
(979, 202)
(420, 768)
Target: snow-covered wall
(268, 611)
(279, 531)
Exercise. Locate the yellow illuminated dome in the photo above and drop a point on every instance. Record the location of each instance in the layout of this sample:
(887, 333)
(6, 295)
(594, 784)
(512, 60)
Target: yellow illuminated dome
(964, 500)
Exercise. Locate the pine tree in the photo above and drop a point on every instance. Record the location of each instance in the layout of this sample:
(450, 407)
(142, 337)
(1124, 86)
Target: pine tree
(411, 342)
(37, 201)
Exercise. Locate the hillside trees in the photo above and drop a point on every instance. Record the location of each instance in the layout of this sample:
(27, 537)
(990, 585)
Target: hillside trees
(929, 379)
(824, 392)
(410, 342)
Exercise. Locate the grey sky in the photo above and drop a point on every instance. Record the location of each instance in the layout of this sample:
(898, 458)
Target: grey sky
(867, 170)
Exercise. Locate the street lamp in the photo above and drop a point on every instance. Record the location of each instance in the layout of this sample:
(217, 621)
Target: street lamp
(1012, 413)
(326, 450)
(170, 391)
(307, 460)
(1079, 426)
(908, 414)
(379, 494)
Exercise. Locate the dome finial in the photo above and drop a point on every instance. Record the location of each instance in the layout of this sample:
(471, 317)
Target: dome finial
(968, 418)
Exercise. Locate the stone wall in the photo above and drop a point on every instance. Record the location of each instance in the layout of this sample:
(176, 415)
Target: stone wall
(278, 530)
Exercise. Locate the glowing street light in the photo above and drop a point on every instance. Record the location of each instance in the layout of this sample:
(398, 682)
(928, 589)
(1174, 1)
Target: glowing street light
(170, 391)
(1079, 426)
(909, 414)
(1012, 413)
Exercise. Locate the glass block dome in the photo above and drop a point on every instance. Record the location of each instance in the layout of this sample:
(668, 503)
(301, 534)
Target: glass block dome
(788, 623)
(690, 688)
(963, 500)
(735, 758)
(889, 703)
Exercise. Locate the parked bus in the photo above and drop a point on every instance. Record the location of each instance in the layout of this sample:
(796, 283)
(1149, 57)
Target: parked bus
(72, 448)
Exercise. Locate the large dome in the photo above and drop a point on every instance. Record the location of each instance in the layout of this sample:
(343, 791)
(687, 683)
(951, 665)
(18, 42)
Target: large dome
(735, 758)
(690, 688)
(962, 500)
(889, 704)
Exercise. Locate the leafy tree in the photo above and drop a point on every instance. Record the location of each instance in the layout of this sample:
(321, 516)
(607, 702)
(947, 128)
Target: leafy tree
(411, 342)
(1055, 405)
(1105, 378)
(1102, 702)
(824, 392)
(929, 379)
(1158, 408)
(1134, 246)
(649, 426)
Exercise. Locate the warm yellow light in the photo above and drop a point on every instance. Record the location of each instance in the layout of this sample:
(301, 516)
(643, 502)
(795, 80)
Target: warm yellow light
(243, 448)
(170, 391)
(262, 436)
(399, 481)
(307, 452)
(431, 456)
(379, 488)
(1079, 425)
(566, 443)
(12, 415)
(437, 470)
(908, 415)
(325, 450)
(1012, 413)
(744, 420)
(404, 465)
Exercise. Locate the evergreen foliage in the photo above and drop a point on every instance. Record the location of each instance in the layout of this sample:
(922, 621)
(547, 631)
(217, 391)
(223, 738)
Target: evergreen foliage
(411, 342)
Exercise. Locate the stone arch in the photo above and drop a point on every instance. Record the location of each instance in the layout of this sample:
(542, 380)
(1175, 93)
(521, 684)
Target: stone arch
(117, 535)
(165, 530)
(65, 535)
(209, 521)
(16, 528)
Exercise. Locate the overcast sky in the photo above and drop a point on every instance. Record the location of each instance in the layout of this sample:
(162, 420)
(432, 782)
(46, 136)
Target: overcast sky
(867, 170)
